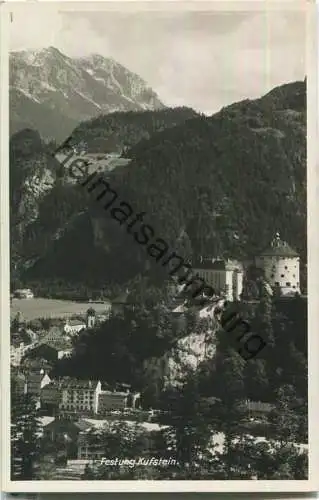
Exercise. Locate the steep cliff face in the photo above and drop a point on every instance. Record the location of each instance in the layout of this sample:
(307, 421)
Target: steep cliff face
(189, 352)
(198, 346)
(32, 176)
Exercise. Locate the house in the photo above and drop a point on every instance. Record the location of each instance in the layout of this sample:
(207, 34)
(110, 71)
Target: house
(256, 409)
(92, 451)
(224, 276)
(79, 395)
(280, 265)
(62, 430)
(76, 435)
(101, 318)
(118, 400)
(35, 382)
(32, 383)
(19, 385)
(67, 353)
(56, 337)
(50, 396)
(74, 326)
(109, 400)
(17, 353)
(23, 293)
(58, 340)
(42, 351)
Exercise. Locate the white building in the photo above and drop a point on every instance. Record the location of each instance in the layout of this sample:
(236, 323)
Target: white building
(225, 277)
(74, 326)
(17, 353)
(24, 293)
(80, 395)
(280, 264)
(67, 353)
(109, 400)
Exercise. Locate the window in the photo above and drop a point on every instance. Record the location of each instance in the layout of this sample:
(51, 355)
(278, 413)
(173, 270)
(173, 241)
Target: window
(294, 286)
(282, 275)
(293, 275)
(286, 267)
(277, 283)
(288, 283)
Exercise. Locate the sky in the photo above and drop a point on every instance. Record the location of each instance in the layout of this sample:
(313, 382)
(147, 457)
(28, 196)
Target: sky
(202, 59)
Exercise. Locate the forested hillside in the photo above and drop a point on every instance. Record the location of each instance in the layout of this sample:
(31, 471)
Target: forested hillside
(219, 185)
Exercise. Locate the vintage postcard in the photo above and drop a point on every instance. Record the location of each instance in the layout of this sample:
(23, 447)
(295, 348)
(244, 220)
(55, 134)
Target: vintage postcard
(158, 218)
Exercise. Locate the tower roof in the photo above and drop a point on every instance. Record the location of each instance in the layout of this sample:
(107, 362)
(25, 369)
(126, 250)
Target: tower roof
(279, 248)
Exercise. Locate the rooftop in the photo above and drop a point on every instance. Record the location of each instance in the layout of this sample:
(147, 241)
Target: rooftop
(71, 383)
(257, 406)
(113, 394)
(75, 322)
(46, 420)
(280, 248)
(100, 424)
(217, 264)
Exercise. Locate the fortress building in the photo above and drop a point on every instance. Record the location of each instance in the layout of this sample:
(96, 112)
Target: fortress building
(280, 265)
(224, 276)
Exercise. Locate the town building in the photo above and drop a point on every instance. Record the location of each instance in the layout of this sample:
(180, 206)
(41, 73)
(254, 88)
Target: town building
(55, 337)
(280, 266)
(79, 395)
(101, 318)
(109, 400)
(74, 326)
(23, 293)
(59, 341)
(18, 352)
(92, 451)
(32, 383)
(50, 397)
(19, 387)
(224, 276)
(66, 353)
(76, 434)
(38, 351)
(35, 381)
(256, 409)
(64, 431)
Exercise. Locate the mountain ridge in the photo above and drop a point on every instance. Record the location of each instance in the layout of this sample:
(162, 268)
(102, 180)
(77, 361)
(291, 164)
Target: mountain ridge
(52, 92)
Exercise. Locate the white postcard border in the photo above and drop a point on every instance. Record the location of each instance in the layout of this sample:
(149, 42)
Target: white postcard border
(312, 483)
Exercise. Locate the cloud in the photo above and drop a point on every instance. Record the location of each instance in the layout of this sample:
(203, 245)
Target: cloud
(205, 60)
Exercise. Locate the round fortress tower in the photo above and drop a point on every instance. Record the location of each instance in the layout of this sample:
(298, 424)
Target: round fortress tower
(280, 264)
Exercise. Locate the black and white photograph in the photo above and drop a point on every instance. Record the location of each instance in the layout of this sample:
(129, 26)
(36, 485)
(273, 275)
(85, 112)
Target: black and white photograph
(157, 321)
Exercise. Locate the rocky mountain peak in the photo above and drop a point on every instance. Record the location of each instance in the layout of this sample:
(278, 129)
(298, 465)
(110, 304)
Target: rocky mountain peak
(52, 92)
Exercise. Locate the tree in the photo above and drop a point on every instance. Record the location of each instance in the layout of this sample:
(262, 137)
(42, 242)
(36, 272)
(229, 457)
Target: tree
(190, 419)
(25, 428)
(264, 318)
(283, 418)
(125, 443)
(256, 380)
